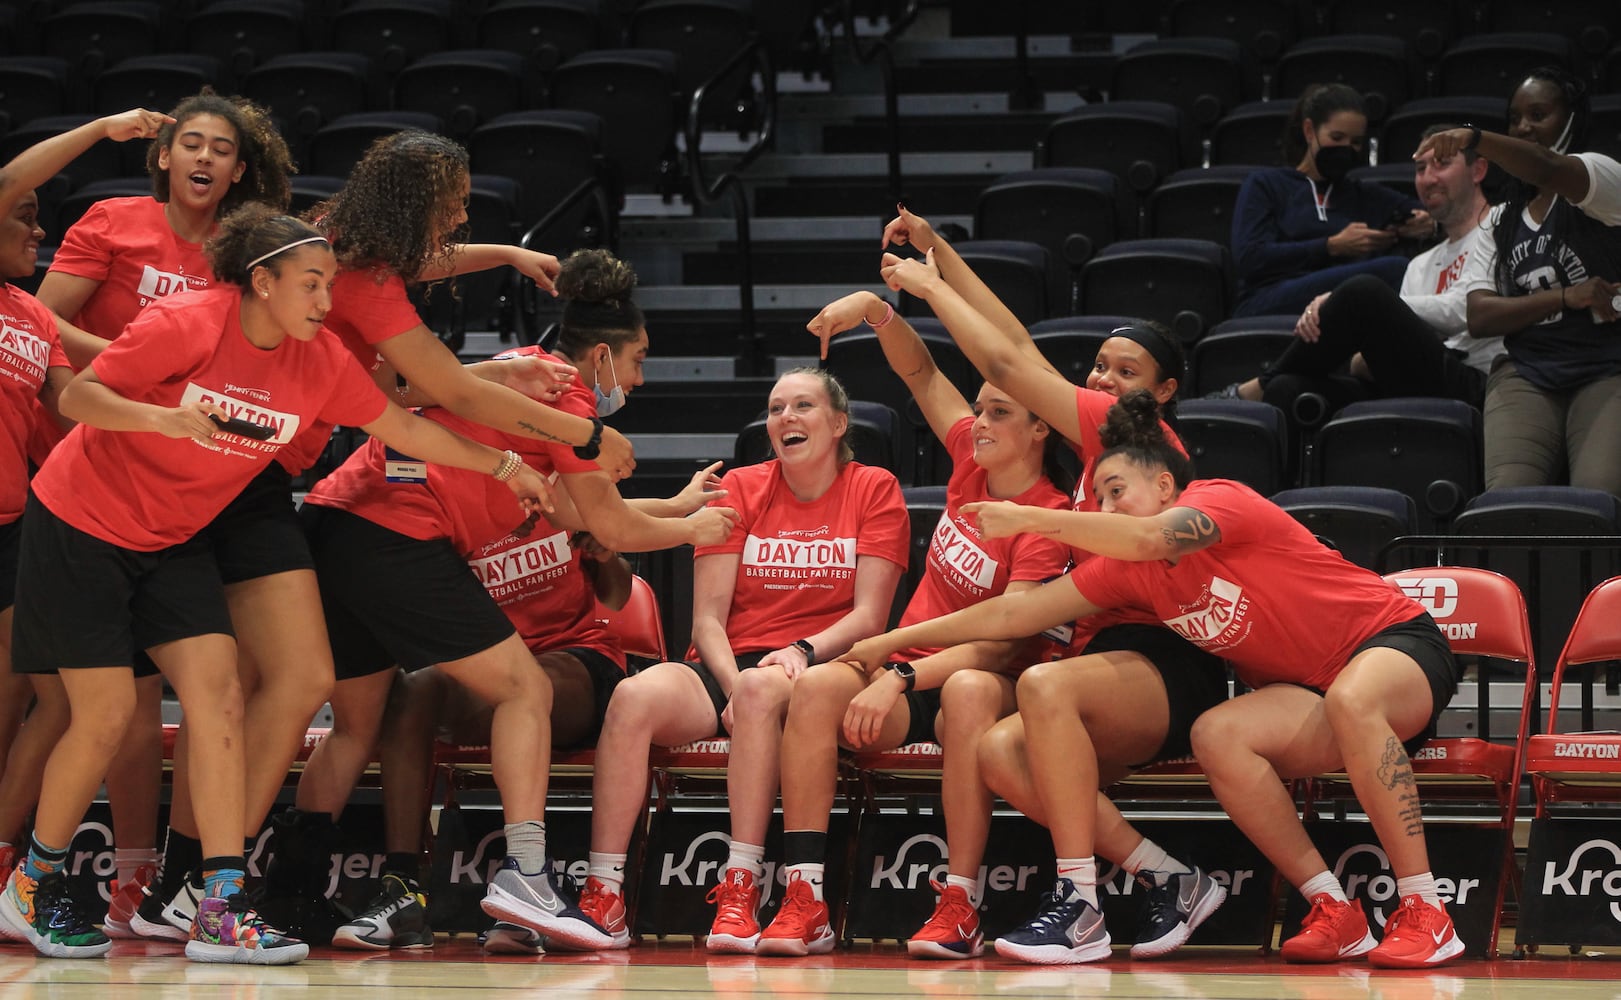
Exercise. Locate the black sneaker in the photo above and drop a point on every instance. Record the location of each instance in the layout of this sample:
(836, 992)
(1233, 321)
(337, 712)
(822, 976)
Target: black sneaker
(397, 917)
(1228, 391)
(165, 905)
(1174, 908)
(1067, 931)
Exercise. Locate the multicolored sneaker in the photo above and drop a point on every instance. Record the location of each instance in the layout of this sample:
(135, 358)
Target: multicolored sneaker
(606, 908)
(397, 917)
(166, 912)
(544, 903)
(1067, 931)
(8, 861)
(44, 915)
(737, 913)
(1175, 907)
(228, 931)
(801, 926)
(126, 899)
(1332, 931)
(952, 930)
(1417, 936)
(510, 939)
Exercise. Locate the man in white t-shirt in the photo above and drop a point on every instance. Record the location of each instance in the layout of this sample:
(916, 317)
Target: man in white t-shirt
(1412, 343)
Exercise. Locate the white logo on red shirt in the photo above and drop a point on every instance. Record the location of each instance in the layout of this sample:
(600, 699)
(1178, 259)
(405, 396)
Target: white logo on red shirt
(955, 551)
(284, 424)
(787, 558)
(1215, 617)
(543, 558)
(24, 350)
(155, 284)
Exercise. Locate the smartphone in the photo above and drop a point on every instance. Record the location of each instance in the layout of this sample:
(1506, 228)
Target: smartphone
(1400, 217)
(246, 428)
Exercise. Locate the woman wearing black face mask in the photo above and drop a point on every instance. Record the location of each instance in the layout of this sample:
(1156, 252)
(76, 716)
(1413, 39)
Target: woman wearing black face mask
(1300, 231)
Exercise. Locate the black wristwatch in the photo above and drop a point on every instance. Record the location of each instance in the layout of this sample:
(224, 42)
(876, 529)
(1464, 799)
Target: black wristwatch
(804, 646)
(904, 671)
(592, 448)
(1474, 138)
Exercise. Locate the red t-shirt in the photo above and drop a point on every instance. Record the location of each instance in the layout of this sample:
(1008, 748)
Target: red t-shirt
(28, 347)
(798, 571)
(128, 246)
(1269, 597)
(542, 585)
(144, 491)
(965, 568)
(470, 508)
(364, 313)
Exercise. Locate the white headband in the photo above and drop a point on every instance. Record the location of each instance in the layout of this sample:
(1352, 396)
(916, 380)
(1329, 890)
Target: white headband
(255, 262)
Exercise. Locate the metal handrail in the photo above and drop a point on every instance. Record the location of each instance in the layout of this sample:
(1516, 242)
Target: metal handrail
(882, 52)
(706, 192)
(594, 188)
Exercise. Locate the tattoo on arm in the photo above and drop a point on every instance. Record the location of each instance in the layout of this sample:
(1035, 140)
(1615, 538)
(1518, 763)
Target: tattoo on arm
(1191, 533)
(530, 428)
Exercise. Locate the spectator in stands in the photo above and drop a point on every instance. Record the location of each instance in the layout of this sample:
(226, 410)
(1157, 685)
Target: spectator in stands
(1129, 660)
(999, 449)
(391, 546)
(1415, 343)
(810, 566)
(1222, 565)
(1301, 230)
(123, 254)
(33, 372)
(1551, 288)
(106, 577)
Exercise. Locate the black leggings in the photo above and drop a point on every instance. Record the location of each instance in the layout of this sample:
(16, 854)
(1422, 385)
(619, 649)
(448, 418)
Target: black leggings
(1402, 352)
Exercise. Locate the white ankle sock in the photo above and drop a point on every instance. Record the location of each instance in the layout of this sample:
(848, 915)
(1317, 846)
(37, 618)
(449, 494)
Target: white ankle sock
(1083, 875)
(1321, 883)
(966, 884)
(1422, 886)
(609, 869)
(812, 874)
(1152, 857)
(749, 857)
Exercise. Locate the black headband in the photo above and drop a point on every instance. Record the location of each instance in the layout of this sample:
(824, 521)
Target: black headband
(1156, 345)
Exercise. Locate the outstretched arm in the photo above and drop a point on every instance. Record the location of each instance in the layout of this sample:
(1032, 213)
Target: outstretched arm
(44, 160)
(1542, 168)
(1169, 534)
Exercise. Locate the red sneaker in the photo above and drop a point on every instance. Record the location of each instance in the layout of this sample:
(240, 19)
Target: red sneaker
(124, 902)
(737, 913)
(952, 931)
(1417, 935)
(800, 927)
(1331, 931)
(8, 860)
(607, 908)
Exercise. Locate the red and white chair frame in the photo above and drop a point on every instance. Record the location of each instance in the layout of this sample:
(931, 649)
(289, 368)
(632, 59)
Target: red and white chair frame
(1580, 767)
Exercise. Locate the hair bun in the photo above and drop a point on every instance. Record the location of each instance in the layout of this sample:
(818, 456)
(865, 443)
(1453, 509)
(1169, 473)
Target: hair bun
(596, 276)
(1133, 421)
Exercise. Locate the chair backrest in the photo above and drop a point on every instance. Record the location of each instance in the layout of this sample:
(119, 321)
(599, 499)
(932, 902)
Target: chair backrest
(1593, 638)
(1481, 613)
(638, 624)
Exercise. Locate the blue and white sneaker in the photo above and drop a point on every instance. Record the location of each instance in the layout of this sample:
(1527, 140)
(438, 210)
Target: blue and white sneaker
(1068, 930)
(544, 903)
(1175, 907)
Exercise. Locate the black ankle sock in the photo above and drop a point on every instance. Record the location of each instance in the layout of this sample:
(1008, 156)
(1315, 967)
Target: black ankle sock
(181, 856)
(804, 847)
(405, 864)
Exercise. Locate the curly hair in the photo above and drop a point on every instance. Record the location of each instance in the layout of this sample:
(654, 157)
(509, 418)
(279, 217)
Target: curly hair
(597, 286)
(250, 233)
(259, 147)
(390, 214)
(1132, 428)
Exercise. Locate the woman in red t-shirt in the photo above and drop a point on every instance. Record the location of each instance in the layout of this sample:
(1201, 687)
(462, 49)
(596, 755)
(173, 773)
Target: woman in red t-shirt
(999, 450)
(391, 546)
(218, 154)
(811, 566)
(214, 383)
(1358, 685)
(1135, 685)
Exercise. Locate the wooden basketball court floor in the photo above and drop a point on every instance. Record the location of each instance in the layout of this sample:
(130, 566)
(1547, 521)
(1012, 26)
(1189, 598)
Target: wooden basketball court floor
(457, 970)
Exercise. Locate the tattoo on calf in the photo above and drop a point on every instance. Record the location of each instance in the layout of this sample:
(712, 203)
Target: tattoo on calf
(1396, 771)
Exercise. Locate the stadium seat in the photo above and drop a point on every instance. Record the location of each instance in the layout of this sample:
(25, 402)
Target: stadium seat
(876, 434)
(703, 35)
(1140, 142)
(1428, 25)
(464, 87)
(153, 82)
(483, 300)
(1071, 211)
(1429, 449)
(1184, 284)
(1404, 129)
(33, 87)
(1358, 520)
(394, 33)
(337, 146)
(1235, 439)
(1264, 28)
(310, 190)
(1559, 774)
(306, 91)
(635, 92)
(1016, 270)
(1251, 133)
(1594, 25)
(1203, 77)
(1070, 343)
(102, 161)
(1375, 66)
(1196, 204)
(246, 33)
(549, 153)
(94, 36)
(1493, 65)
(925, 505)
(549, 32)
(1236, 355)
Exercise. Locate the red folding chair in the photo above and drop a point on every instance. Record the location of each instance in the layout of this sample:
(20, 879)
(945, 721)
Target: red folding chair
(1580, 766)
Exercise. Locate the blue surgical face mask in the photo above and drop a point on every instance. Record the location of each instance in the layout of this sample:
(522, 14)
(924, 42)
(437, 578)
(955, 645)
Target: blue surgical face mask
(611, 402)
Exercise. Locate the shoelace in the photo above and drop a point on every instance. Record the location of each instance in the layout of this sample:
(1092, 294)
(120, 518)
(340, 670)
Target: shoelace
(1161, 901)
(1411, 912)
(241, 904)
(1056, 911)
(1320, 918)
(953, 909)
(733, 903)
(51, 899)
(596, 900)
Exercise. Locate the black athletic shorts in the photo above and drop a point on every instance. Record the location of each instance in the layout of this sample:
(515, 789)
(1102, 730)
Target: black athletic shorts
(1421, 639)
(717, 697)
(258, 533)
(605, 676)
(11, 534)
(90, 603)
(1195, 680)
(924, 706)
(391, 600)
